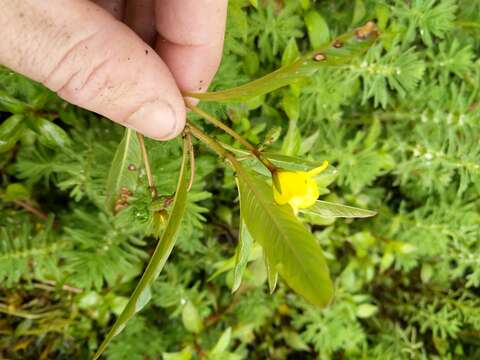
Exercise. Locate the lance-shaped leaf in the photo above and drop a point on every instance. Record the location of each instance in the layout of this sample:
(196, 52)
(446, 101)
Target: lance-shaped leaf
(141, 294)
(340, 51)
(286, 162)
(291, 249)
(123, 175)
(272, 275)
(49, 134)
(10, 131)
(237, 261)
(334, 210)
(242, 255)
(10, 104)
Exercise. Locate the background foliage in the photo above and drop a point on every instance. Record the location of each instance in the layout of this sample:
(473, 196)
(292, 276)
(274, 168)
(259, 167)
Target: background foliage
(401, 125)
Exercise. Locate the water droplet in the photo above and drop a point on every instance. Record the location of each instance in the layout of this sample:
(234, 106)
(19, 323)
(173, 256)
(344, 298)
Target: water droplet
(319, 57)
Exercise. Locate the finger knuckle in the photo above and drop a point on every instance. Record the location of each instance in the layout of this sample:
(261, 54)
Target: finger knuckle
(81, 73)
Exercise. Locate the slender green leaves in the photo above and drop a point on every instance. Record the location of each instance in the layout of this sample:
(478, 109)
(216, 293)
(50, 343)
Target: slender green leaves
(242, 255)
(285, 162)
(340, 51)
(333, 210)
(141, 294)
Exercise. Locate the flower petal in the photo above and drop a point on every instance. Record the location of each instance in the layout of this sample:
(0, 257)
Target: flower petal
(318, 170)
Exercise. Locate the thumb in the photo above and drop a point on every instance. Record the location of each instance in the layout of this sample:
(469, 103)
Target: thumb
(78, 50)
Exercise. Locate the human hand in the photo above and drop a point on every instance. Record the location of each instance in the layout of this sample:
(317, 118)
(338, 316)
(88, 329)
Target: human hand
(132, 72)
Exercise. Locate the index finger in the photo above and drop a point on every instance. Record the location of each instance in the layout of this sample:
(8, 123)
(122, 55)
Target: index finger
(190, 41)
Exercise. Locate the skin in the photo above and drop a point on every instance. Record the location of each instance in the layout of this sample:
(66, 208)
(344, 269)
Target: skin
(127, 60)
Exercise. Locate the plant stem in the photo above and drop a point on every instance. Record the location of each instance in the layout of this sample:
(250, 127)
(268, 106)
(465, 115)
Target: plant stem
(31, 209)
(146, 163)
(214, 121)
(191, 150)
(212, 144)
(52, 285)
(20, 313)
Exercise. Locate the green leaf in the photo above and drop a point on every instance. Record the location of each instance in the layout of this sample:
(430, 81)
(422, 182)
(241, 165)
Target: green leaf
(272, 136)
(49, 134)
(308, 143)
(387, 260)
(291, 52)
(292, 140)
(305, 4)
(295, 341)
(224, 213)
(366, 310)
(286, 162)
(164, 247)
(10, 131)
(426, 273)
(339, 52)
(317, 28)
(7, 144)
(230, 263)
(16, 191)
(10, 104)
(382, 12)
(291, 106)
(359, 12)
(191, 318)
(121, 176)
(251, 63)
(291, 249)
(222, 267)
(10, 127)
(222, 343)
(89, 300)
(185, 354)
(272, 275)
(242, 255)
(334, 210)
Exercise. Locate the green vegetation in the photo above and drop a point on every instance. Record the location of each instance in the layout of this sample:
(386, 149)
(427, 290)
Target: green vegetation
(398, 120)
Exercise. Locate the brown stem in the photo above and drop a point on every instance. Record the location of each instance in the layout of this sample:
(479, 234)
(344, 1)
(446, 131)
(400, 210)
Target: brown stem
(146, 163)
(191, 151)
(212, 144)
(51, 285)
(31, 209)
(214, 121)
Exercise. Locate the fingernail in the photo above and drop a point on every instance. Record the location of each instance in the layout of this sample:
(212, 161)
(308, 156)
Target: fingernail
(155, 119)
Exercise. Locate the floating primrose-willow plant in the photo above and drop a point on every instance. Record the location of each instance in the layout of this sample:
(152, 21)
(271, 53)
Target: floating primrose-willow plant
(270, 206)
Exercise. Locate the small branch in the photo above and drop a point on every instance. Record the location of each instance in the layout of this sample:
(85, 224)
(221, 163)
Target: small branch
(191, 150)
(146, 163)
(212, 144)
(52, 285)
(214, 121)
(9, 310)
(198, 349)
(31, 209)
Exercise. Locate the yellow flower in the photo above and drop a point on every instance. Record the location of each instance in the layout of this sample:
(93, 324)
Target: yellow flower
(297, 188)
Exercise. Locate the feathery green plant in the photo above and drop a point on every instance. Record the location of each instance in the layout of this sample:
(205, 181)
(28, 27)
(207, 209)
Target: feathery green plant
(398, 123)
